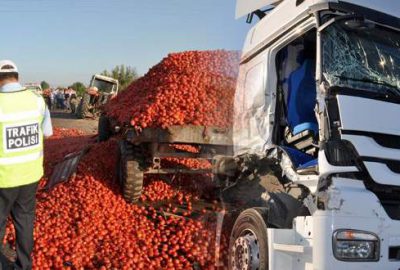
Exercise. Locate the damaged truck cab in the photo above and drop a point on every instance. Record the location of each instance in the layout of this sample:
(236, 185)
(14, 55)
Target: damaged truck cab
(316, 170)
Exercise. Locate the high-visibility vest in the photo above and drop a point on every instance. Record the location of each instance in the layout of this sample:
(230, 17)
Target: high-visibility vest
(21, 138)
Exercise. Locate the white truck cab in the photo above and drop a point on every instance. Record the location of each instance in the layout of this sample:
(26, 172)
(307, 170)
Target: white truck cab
(317, 112)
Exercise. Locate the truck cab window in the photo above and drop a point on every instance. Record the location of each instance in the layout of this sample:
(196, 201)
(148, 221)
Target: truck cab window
(297, 128)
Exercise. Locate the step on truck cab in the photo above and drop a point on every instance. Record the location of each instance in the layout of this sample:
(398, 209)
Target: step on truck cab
(315, 176)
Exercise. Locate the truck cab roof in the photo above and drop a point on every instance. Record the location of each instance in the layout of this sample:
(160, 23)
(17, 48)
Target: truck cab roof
(288, 12)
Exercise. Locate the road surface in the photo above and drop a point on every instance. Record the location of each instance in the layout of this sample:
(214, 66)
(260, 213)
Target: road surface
(65, 119)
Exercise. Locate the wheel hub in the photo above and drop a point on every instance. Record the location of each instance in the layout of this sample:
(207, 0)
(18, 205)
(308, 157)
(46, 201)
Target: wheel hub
(246, 253)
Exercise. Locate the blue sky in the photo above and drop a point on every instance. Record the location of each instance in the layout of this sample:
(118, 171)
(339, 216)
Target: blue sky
(62, 41)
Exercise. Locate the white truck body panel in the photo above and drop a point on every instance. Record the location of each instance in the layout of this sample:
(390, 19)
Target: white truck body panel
(275, 23)
(362, 114)
(382, 174)
(308, 246)
(253, 129)
(378, 117)
(255, 98)
(244, 7)
(368, 147)
(348, 203)
(287, 13)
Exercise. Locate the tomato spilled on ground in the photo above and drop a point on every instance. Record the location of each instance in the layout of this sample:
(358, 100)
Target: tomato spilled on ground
(85, 223)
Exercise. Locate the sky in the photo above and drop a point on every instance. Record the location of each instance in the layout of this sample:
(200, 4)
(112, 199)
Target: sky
(63, 41)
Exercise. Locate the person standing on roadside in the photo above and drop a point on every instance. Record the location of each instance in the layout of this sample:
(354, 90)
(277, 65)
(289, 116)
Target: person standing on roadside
(55, 101)
(24, 120)
(47, 97)
(51, 99)
(66, 98)
(60, 99)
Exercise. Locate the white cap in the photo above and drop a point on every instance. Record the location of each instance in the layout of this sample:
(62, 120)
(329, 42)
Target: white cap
(7, 66)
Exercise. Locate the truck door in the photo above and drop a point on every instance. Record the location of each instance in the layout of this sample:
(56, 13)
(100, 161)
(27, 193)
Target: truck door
(252, 102)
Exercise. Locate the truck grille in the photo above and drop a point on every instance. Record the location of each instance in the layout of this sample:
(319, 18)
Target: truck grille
(388, 195)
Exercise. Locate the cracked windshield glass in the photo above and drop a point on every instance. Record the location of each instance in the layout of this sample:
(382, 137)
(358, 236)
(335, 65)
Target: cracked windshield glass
(361, 55)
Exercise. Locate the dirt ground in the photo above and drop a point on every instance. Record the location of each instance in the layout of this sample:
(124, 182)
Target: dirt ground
(65, 119)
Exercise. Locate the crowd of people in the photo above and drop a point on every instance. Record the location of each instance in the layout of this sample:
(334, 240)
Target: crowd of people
(64, 99)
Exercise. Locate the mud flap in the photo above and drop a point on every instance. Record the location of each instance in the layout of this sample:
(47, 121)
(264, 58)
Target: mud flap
(65, 169)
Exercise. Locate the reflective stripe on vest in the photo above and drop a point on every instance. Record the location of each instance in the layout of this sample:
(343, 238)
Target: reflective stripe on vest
(18, 116)
(21, 159)
(21, 138)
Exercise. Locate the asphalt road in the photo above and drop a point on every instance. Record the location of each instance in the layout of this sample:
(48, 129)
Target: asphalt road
(65, 119)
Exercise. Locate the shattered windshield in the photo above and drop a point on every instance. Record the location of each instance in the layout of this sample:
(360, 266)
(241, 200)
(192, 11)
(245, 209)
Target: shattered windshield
(365, 58)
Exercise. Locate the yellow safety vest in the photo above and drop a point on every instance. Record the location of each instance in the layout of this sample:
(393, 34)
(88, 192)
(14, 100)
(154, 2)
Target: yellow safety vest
(21, 138)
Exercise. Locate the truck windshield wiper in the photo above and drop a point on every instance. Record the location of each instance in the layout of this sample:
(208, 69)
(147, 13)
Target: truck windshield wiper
(394, 90)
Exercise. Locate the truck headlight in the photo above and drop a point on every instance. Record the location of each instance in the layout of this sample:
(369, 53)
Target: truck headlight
(352, 245)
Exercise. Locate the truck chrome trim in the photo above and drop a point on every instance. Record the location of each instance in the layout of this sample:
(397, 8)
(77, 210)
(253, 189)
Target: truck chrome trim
(368, 148)
(384, 140)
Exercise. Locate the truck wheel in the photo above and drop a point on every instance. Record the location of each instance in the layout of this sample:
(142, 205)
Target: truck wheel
(104, 128)
(248, 245)
(130, 173)
(83, 108)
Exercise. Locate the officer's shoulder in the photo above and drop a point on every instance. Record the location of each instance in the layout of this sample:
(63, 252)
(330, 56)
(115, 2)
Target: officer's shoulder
(34, 92)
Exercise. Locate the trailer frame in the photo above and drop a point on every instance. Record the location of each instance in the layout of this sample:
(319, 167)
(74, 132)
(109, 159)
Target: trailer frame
(141, 152)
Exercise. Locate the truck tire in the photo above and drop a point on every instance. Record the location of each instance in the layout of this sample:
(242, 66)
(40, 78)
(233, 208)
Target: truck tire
(248, 244)
(130, 174)
(104, 128)
(83, 107)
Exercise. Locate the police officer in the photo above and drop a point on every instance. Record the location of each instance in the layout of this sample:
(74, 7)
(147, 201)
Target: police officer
(24, 120)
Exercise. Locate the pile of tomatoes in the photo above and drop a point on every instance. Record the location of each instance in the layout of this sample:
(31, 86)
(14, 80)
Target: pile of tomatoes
(86, 224)
(193, 87)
